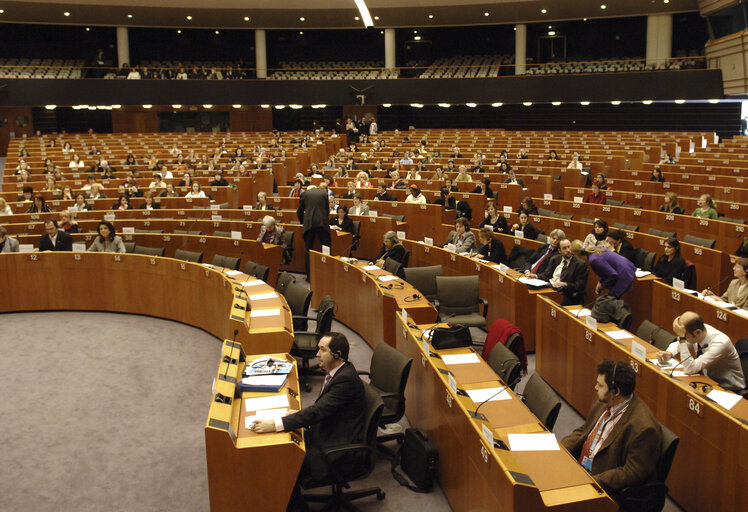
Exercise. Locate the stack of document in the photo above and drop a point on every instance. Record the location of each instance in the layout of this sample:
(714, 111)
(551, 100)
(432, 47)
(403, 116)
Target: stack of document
(267, 374)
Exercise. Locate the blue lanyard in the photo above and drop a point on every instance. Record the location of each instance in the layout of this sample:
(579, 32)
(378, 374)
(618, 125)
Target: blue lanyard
(602, 427)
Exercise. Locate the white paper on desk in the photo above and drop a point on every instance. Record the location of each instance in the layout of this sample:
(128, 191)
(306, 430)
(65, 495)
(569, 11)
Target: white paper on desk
(207, 265)
(741, 312)
(79, 247)
(724, 398)
(233, 273)
(236, 235)
(268, 414)
(532, 442)
(678, 373)
(667, 365)
(533, 282)
(519, 234)
(619, 334)
(401, 235)
(451, 247)
(678, 284)
(266, 402)
(461, 358)
(256, 313)
(638, 350)
(428, 241)
(487, 394)
(128, 230)
(253, 282)
(262, 296)
(580, 312)
(507, 209)
(387, 278)
(370, 267)
(641, 273)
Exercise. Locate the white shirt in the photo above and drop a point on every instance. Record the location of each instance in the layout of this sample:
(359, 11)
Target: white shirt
(72, 164)
(421, 199)
(557, 271)
(575, 165)
(195, 194)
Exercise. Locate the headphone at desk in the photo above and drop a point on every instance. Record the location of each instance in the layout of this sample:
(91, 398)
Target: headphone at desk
(412, 298)
(704, 386)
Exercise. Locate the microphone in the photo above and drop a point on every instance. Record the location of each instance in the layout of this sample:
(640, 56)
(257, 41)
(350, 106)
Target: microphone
(709, 288)
(585, 307)
(241, 290)
(514, 383)
(680, 363)
(223, 399)
(432, 325)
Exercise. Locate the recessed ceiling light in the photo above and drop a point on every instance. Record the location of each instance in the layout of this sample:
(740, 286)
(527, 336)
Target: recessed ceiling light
(50, 107)
(555, 103)
(647, 102)
(301, 32)
(236, 105)
(444, 105)
(116, 106)
(280, 107)
(498, 104)
(386, 105)
(246, 18)
(527, 103)
(584, 19)
(147, 106)
(376, 18)
(302, 19)
(417, 38)
(357, 18)
(321, 105)
(416, 105)
(543, 11)
(713, 101)
(88, 29)
(66, 13)
(666, 1)
(218, 32)
(415, 31)
(129, 16)
(189, 18)
(551, 32)
(295, 107)
(179, 31)
(680, 102)
(176, 105)
(265, 106)
(431, 16)
(485, 14)
(208, 105)
(615, 102)
(471, 105)
(603, 6)
(2, 11)
(584, 103)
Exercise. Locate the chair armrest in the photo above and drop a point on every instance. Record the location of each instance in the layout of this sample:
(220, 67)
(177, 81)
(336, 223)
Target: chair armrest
(641, 497)
(484, 302)
(364, 372)
(334, 470)
(397, 396)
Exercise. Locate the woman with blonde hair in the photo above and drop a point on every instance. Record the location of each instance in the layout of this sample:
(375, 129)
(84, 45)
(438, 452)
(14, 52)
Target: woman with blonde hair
(4, 208)
(362, 180)
(671, 204)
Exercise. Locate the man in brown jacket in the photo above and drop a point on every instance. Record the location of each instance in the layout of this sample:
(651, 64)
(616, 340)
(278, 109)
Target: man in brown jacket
(620, 442)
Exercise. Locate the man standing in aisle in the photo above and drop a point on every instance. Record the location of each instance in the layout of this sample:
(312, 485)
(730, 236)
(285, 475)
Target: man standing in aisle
(313, 213)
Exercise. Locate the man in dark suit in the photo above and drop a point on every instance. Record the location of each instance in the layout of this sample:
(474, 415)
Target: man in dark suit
(617, 242)
(567, 274)
(620, 442)
(538, 260)
(313, 212)
(382, 194)
(337, 416)
(54, 239)
(514, 179)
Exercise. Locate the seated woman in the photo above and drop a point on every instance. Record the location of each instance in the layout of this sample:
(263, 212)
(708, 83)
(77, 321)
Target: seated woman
(528, 206)
(671, 264)
(415, 196)
(80, 202)
(271, 232)
(528, 230)
(706, 208)
(4, 208)
(391, 248)
(657, 175)
(491, 249)
(262, 202)
(438, 175)
(158, 181)
(169, 191)
(122, 204)
(671, 204)
(598, 235)
(341, 221)
(296, 190)
(553, 155)
(149, 203)
(359, 207)
(413, 174)
(446, 199)
(196, 191)
(494, 219)
(362, 180)
(350, 191)
(596, 196)
(67, 223)
(462, 238)
(108, 240)
(186, 180)
(39, 205)
(484, 187)
(737, 291)
(67, 194)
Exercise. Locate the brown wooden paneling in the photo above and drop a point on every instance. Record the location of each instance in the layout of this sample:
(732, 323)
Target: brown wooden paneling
(251, 119)
(134, 119)
(11, 113)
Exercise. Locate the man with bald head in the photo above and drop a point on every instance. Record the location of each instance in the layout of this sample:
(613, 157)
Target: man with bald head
(701, 347)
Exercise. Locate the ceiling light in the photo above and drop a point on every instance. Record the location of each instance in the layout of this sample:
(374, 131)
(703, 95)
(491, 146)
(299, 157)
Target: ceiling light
(555, 103)
(302, 19)
(550, 26)
(381, 31)
(680, 102)
(179, 31)
(295, 107)
(176, 105)
(551, 32)
(265, 106)
(217, 32)
(116, 106)
(417, 38)
(584, 103)
(485, 14)
(584, 19)
(66, 13)
(104, 107)
(713, 101)
(236, 105)
(647, 102)
(280, 107)
(527, 103)
(246, 18)
(189, 18)
(50, 107)
(496, 104)
(543, 11)
(386, 105)
(301, 32)
(87, 28)
(2, 11)
(666, 1)
(603, 6)
(615, 102)
(364, 11)
(431, 16)
(416, 105)
(208, 105)
(444, 105)
(471, 105)
(322, 105)
(376, 18)
(357, 18)
(415, 31)
(147, 106)
(129, 16)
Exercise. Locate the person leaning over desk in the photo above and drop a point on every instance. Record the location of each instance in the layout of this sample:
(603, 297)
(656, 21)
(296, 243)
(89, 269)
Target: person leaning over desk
(337, 416)
(619, 443)
(391, 248)
(701, 347)
(616, 273)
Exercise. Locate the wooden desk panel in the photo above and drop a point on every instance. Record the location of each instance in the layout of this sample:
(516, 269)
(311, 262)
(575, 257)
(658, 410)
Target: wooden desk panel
(568, 353)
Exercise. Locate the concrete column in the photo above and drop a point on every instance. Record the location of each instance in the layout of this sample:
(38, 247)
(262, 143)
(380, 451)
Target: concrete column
(389, 48)
(659, 38)
(261, 58)
(123, 46)
(520, 48)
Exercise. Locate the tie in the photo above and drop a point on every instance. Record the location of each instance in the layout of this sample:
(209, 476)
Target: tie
(324, 384)
(593, 435)
(563, 270)
(537, 263)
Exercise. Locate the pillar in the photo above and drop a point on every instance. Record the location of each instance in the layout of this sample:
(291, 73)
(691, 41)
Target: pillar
(520, 48)
(261, 58)
(123, 46)
(389, 48)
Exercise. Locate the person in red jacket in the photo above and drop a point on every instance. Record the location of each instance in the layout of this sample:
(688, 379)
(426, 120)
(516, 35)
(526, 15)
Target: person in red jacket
(597, 196)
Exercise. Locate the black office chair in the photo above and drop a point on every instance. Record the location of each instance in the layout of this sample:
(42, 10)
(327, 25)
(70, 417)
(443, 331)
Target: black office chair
(506, 365)
(650, 497)
(257, 270)
(129, 247)
(742, 347)
(305, 342)
(406, 258)
(542, 400)
(288, 249)
(149, 251)
(365, 454)
(356, 235)
(388, 376)
(459, 299)
(226, 262)
(423, 279)
(224, 234)
(284, 279)
(298, 299)
(394, 267)
(697, 240)
(192, 256)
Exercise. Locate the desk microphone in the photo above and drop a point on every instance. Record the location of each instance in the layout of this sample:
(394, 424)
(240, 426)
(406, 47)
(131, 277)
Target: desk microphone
(709, 288)
(514, 383)
(241, 290)
(680, 363)
(585, 307)
(223, 399)
(433, 325)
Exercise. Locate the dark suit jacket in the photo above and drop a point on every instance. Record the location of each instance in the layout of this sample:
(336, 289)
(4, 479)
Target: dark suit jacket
(519, 181)
(627, 250)
(494, 252)
(396, 253)
(337, 416)
(576, 276)
(64, 242)
(629, 454)
(385, 197)
(314, 208)
(154, 205)
(535, 256)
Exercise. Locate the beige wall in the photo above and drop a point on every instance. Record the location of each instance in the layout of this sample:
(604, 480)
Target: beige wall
(730, 54)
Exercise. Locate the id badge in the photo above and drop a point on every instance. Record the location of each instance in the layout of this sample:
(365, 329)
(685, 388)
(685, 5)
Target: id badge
(587, 464)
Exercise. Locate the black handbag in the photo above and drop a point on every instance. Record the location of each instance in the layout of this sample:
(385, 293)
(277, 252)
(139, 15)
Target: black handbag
(454, 336)
(419, 460)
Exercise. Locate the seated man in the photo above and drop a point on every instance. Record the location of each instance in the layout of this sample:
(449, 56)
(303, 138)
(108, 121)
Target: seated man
(619, 443)
(337, 416)
(55, 239)
(567, 274)
(382, 194)
(538, 260)
(701, 347)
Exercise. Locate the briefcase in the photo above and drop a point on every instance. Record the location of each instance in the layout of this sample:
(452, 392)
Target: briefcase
(419, 460)
(454, 336)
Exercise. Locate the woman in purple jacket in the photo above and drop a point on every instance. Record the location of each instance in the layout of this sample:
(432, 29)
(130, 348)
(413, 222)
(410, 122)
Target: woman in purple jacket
(615, 272)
